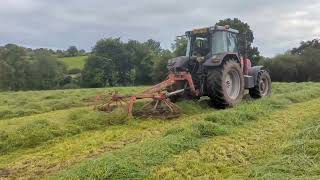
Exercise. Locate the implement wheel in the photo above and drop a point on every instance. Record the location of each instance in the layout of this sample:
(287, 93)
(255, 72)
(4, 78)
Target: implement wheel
(226, 84)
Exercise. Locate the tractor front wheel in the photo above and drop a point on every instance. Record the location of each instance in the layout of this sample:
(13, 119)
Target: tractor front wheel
(226, 84)
(263, 87)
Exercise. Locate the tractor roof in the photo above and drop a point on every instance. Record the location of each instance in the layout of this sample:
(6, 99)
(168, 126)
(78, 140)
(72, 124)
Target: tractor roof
(212, 28)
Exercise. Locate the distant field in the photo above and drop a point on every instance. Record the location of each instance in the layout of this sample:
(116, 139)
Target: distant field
(57, 135)
(74, 62)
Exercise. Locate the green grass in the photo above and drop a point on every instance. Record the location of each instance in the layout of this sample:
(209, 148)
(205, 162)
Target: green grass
(42, 130)
(63, 152)
(266, 148)
(54, 133)
(133, 162)
(74, 62)
(20, 104)
(44, 127)
(298, 157)
(137, 161)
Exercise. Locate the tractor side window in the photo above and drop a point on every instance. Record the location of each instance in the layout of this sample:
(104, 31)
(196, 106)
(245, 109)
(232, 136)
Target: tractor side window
(231, 41)
(219, 44)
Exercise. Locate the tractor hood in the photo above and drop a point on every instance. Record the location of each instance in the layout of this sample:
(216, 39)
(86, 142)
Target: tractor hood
(179, 63)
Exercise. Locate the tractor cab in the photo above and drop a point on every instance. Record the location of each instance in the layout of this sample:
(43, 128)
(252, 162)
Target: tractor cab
(206, 42)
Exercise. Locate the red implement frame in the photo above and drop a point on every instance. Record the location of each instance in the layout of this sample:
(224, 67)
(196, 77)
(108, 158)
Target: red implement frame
(156, 93)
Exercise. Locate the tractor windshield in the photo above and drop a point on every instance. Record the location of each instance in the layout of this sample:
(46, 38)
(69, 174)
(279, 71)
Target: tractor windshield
(202, 45)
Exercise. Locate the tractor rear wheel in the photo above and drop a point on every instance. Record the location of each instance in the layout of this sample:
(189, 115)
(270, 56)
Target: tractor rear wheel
(226, 85)
(263, 87)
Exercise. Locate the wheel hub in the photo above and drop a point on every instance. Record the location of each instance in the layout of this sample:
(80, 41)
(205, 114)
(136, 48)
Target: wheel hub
(232, 84)
(263, 87)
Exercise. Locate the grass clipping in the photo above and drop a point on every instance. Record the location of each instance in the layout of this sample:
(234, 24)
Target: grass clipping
(42, 131)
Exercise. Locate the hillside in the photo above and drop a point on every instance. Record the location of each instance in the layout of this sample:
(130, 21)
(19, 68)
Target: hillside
(56, 134)
(74, 62)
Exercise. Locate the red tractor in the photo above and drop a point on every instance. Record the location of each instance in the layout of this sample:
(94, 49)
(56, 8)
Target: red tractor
(213, 66)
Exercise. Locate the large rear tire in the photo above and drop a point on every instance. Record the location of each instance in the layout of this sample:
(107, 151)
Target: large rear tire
(263, 87)
(226, 85)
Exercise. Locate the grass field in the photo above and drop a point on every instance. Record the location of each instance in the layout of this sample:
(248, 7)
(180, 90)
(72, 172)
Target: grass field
(56, 134)
(74, 62)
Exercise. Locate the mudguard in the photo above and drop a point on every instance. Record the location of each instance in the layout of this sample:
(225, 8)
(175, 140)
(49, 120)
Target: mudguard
(218, 59)
(254, 71)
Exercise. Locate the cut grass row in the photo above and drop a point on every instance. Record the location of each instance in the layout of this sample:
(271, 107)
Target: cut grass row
(64, 152)
(40, 131)
(42, 128)
(62, 120)
(20, 104)
(33, 131)
(282, 146)
(295, 158)
(137, 161)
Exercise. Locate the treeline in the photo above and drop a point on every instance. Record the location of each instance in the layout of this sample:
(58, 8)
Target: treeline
(117, 63)
(72, 51)
(112, 62)
(297, 65)
(20, 70)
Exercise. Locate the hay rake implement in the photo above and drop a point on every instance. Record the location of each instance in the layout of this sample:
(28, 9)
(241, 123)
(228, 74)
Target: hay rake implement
(159, 106)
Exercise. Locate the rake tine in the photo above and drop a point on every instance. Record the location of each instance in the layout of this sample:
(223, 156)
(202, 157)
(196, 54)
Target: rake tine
(144, 106)
(124, 101)
(169, 106)
(156, 105)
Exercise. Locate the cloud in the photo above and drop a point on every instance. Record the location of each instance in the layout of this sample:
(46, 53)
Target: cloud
(277, 26)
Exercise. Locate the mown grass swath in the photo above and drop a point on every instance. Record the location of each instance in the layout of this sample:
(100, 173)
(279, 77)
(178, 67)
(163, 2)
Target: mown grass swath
(22, 133)
(237, 154)
(40, 131)
(19, 104)
(137, 161)
(299, 157)
(43, 129)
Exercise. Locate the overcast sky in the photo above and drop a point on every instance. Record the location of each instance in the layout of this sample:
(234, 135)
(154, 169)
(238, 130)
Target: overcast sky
(277, 25)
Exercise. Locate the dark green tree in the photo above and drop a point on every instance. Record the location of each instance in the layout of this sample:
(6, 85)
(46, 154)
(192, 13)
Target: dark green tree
(26, 69)
(179, 46)
(60, 53)
(13, 67)
(153, 46)
(98, 72)
(284, 68)
(315, 43)
(140, 55)
(116, 51)
(160, 70)
(309, 66)
(72, 51)
(82, 52)
(45, 72)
